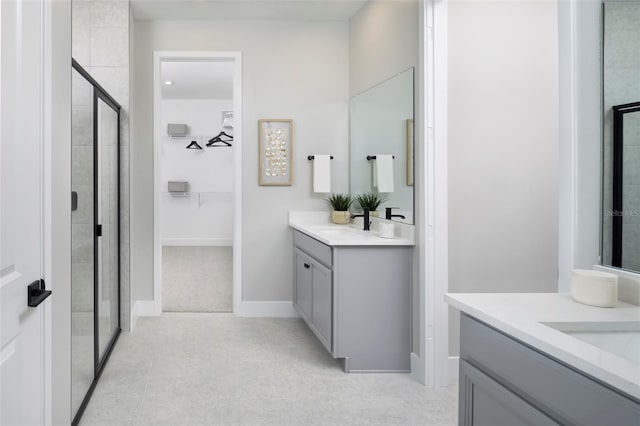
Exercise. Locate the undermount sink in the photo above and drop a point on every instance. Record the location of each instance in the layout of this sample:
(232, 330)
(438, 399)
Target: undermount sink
(340, 231)
(619, 338)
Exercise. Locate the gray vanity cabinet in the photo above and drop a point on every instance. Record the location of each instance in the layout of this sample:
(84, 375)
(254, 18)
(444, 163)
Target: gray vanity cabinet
(356, 300)
(313, 295)
(486, 402)
(503, 381)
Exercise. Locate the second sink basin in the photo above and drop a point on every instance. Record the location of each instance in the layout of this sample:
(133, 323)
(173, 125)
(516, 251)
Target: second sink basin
(619, 338)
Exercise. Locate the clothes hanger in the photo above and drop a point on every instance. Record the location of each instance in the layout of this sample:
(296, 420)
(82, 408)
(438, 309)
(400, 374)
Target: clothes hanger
(212, 141)
(222, 133)
(194, 145)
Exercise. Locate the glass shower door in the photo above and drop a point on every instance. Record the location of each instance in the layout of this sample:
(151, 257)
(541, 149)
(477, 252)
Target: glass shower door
(95, 209)
(108, 297)
(82, 240)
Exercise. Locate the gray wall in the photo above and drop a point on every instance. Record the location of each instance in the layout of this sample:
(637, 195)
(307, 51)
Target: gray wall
(100, 43)
(503, 148)
(296, 70)
(383, 41)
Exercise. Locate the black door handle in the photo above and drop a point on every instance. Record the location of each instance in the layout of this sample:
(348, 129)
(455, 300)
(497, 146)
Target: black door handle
(36, 293)
(74, 201)
(307, 266)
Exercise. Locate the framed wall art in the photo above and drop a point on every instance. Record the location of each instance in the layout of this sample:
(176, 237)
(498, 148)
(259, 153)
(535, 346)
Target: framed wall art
(275, 145)
(409, 151)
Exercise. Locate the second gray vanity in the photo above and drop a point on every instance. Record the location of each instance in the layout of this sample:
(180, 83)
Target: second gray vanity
(356, 300)
(543, 359)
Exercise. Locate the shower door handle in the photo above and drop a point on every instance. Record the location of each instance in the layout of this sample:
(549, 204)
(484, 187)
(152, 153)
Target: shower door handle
(98, 230)
(74, 201)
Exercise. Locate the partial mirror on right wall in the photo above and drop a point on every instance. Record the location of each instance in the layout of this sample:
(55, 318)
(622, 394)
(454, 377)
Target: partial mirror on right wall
(621, 135)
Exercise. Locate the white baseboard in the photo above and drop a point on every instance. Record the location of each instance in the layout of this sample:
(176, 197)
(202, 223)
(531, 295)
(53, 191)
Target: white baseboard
(133, 317)
(197, 242)
(143, 308)
(418, 373)
(453, 366)
(280, 309)
(417, 368)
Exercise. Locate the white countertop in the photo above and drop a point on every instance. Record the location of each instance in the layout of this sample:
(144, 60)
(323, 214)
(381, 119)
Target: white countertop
(521, 315)
(318, 225)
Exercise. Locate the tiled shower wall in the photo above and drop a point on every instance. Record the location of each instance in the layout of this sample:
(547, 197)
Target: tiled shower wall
(621, 86)
(100, 43)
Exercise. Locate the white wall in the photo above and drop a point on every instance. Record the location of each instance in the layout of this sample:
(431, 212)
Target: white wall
(295, 70)
(503, 148)
(205, 216)
(383, 41)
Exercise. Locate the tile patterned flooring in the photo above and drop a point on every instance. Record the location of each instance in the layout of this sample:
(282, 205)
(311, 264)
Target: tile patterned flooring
(197, 279)
(217, 369)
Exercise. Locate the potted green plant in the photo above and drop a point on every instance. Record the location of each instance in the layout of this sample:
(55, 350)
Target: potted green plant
(370, 201)
(340, 204)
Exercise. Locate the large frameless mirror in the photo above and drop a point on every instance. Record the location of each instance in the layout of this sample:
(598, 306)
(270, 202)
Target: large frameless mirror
(381, 124)
(621, 135)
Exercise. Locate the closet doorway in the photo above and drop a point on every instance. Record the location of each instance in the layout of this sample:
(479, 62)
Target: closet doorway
(197, 150)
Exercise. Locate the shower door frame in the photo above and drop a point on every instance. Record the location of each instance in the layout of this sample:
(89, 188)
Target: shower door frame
(99, 93)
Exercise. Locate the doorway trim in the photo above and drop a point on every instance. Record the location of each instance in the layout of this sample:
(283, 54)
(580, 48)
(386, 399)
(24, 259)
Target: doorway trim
(158, 57)
(432, 366)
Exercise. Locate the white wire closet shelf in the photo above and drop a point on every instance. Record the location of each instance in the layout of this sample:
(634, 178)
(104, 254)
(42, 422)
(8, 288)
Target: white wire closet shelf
(203, 196)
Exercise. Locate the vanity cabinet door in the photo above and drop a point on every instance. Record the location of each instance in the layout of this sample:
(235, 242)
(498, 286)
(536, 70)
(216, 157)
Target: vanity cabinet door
(483, 401)
(303, 276)
(322, 302)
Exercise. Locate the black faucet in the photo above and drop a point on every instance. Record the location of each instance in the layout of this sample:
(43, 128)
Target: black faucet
(367, 221)
(388, 214)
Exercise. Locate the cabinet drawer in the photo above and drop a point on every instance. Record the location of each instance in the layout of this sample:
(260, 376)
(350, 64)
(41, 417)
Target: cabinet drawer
(558, 390)
(314, 248)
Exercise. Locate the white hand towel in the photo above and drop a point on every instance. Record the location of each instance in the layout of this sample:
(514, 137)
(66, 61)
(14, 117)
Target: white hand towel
(383, 173)
(322, 173)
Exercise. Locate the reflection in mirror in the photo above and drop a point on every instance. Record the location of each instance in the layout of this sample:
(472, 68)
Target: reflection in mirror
(381, 124)
(621, 135)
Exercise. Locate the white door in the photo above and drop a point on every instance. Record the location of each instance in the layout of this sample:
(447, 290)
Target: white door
(21, 327)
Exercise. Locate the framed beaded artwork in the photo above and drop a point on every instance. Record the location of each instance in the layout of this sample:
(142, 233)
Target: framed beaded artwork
(275, 145)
